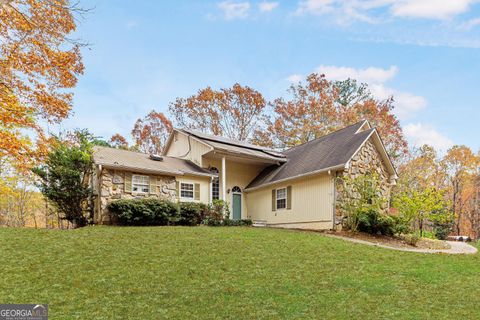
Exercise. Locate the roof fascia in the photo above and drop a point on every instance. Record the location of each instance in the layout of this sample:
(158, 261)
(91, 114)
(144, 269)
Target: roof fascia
(365, 122)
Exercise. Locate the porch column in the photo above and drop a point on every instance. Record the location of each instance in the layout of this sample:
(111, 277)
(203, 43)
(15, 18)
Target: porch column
(224, 179)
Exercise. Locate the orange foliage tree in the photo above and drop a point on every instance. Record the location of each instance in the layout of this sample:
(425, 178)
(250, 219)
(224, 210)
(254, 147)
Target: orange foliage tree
(151, 133)
(38, 64)
(462, 166)
(118, 141)
(236, 112)
(320, 106)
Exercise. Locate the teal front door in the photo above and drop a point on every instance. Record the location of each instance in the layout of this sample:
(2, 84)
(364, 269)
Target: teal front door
(237, 206)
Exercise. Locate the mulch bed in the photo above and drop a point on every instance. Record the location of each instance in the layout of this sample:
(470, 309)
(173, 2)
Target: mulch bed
(397, 242)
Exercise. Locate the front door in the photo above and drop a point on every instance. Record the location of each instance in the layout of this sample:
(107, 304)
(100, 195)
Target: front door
(237, 206)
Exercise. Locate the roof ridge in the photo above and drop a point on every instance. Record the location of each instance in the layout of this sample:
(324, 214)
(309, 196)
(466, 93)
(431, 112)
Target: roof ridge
(330, 133)
(233, 142)
(132, 151)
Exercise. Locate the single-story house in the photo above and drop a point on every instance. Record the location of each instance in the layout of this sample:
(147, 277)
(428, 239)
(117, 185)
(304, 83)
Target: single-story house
(293, 188)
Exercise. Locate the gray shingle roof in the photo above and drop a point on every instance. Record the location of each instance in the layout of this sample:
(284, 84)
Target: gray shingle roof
(332, 150)
(136, 161)
(237, 147)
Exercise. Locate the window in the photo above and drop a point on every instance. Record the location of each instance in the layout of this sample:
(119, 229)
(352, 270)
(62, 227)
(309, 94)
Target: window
(282, 198)
(215, 185)
(140, 184)
(186, 190)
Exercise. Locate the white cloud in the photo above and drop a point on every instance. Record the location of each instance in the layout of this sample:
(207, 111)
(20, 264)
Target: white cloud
(234, 10)
(419, 134)
(470, 24)
(267, 6)
(347, 11)
(315, 6)
(368, 75)
(406, 104)
(294, 78)
(430, 9)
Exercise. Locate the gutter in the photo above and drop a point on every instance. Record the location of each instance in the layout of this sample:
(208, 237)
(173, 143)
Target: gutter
(308, 174)
(174, 173)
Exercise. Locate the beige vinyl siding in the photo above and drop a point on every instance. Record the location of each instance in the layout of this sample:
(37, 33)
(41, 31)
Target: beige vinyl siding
(238, 174)
(311, 202)
(202, 182)
(181, 148)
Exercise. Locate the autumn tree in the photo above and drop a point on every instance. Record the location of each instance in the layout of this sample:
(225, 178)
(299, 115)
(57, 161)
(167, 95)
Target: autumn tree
(421, 169)
(151, 132)
(38, 66)
(236, 113)
(19, 202)
(320, 106)
(118, 141)
(462, 166)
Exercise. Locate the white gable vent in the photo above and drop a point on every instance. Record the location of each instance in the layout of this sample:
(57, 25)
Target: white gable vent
(156, 157)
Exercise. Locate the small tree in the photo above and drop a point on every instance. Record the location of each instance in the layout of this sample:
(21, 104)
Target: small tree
(361, 197)
(418, 206)
(65, 175)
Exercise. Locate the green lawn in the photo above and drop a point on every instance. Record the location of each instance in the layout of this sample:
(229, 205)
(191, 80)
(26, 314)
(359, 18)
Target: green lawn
(229, 273)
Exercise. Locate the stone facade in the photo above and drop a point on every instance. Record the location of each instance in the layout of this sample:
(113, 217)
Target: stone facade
(110, 186)
(367, 160)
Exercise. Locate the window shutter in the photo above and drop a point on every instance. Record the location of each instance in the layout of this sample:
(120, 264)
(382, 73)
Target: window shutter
(177, 186)
(274, 200)
(152, 184)
(197, 191)
(289, 197)
(128, 183)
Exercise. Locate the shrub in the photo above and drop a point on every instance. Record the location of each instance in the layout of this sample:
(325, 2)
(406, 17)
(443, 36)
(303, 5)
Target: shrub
(215, 213)
(374, 222)
(411, 239)
(234, 223)
(442, 230)
(191, 213)
(401, 225)
(144, 212)
(157, 212)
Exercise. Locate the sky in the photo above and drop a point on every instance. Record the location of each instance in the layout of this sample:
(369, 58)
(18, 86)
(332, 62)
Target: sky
(142, 55)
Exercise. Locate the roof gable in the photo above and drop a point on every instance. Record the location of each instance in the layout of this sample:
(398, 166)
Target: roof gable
(136, 161)
(330, 152)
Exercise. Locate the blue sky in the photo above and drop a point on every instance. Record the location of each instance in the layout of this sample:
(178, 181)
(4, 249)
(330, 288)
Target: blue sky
(144, 54)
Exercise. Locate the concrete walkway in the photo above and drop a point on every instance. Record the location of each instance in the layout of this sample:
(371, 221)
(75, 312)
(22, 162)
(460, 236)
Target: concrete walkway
(456, 246)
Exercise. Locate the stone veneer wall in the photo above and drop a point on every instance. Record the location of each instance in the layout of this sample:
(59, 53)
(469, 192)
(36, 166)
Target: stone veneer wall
(111, 185)
(367, 160)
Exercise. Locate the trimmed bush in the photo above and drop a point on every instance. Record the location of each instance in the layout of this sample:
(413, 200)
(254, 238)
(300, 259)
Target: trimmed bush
(191, 213)
(158, 212)
(374, 222)
(235, 223)
(144, 212)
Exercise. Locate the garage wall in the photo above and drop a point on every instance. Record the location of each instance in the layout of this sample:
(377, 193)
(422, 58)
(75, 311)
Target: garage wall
(312, 202)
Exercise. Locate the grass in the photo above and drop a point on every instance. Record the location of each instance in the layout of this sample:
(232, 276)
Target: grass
(229, 273)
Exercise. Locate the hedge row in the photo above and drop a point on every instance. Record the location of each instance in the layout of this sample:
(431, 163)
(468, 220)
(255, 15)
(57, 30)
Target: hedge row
(157, 212)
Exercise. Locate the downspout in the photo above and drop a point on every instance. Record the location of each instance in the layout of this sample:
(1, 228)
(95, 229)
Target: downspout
(334, 209)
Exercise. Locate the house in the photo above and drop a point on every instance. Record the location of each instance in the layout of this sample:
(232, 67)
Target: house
(293, 188)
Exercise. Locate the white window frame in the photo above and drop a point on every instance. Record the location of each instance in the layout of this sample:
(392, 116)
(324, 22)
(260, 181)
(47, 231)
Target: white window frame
(193, 191)
(140, 184)
(282, 198)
